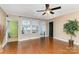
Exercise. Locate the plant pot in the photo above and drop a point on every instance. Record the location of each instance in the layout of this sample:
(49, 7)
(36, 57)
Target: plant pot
(71, 43)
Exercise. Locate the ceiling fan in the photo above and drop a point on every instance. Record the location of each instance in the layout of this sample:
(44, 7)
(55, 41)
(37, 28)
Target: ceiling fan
(48, 9)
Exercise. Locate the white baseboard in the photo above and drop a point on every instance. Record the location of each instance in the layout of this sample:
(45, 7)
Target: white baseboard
(76, 43)
(60, 39)
(31, 38)
(4, 44)
(12, 40)
(23, 39)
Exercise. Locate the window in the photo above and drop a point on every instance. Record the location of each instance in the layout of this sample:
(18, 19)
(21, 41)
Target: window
(25, 26)
(35, 26)
(42, 27)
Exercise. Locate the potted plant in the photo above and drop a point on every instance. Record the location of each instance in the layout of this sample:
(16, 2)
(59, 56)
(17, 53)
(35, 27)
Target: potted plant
(71, 28)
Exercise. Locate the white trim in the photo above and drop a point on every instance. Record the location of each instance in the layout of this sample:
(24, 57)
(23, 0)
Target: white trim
(76, 43)
(6, 34)
(23, 39)
(4, 44)
(32, 38)
(12, 40)
(60, 39)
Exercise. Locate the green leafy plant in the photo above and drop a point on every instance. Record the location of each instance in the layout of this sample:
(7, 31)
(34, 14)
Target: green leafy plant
(71, 27)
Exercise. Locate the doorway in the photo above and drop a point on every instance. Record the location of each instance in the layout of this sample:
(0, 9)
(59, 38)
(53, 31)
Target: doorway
(12, 30)
(51, 29)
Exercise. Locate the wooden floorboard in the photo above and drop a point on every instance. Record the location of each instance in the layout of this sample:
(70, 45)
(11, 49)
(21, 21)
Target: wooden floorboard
(39, 46)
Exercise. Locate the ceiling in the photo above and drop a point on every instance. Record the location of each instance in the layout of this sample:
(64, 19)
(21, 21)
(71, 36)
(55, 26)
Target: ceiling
(29, 10)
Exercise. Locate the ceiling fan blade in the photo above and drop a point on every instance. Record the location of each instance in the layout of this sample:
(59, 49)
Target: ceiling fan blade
(44, 13)
(56, 8)
(47, 6)
(51, 12)
(40, 10)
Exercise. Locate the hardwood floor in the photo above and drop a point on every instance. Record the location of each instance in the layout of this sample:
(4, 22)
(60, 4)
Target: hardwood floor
(39, 46)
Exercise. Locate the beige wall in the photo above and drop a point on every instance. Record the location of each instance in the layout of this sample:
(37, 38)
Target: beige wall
(2, 24)
(58, 26)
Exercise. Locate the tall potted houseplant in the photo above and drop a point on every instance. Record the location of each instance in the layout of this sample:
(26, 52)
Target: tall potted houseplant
(71, 28)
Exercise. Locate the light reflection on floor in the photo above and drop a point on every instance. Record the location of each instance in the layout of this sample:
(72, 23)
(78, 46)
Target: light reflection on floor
(39, 46)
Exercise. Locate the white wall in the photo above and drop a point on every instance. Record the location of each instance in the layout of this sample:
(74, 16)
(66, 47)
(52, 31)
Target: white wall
(30, 35)
(58, 27)
(22, 37)
(27, 36)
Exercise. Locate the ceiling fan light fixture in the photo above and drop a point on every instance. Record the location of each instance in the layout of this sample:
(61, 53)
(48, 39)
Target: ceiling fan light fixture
(47, 12)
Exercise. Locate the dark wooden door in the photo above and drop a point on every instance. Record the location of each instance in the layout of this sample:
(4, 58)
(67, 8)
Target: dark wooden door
(50, 29)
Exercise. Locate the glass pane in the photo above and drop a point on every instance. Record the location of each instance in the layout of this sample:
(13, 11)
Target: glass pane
(25, 26)
(42, 28)
(35, 26)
